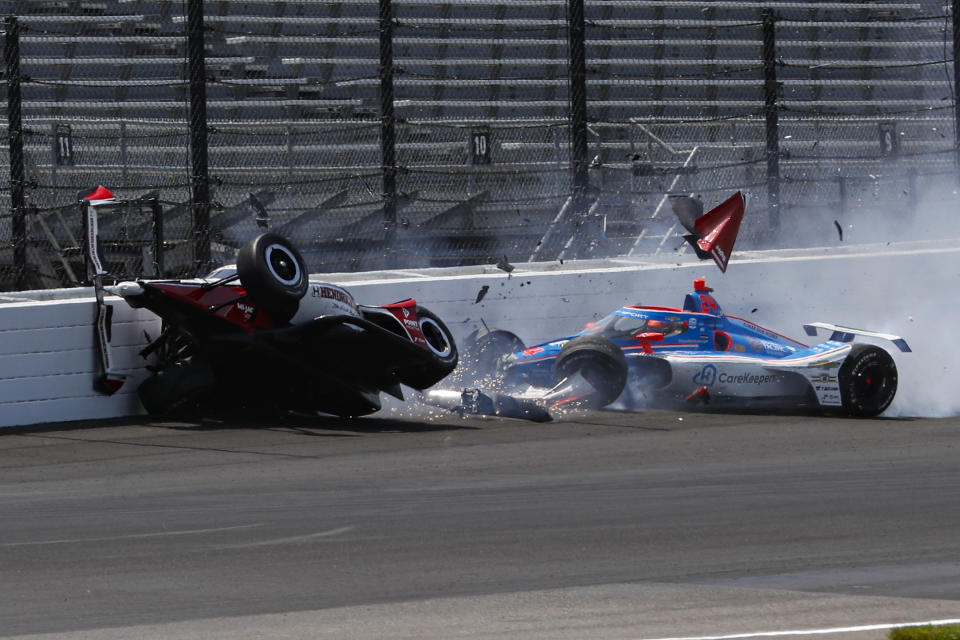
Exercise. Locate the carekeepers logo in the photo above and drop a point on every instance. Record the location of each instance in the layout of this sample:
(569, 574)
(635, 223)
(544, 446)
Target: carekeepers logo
(706, 377)
(749, 378)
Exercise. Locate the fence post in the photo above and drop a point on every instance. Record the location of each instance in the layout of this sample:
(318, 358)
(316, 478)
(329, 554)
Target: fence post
(770, 89)
(578, 111)
(11, 56)
(200, 193)
(156, 210)
(842, 187)
(387, 131)
(956, 83)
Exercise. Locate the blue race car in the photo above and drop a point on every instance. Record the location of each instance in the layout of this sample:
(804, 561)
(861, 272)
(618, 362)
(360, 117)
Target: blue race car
(643, 356)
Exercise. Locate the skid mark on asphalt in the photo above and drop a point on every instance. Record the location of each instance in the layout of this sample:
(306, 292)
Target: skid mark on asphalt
(156, 534)
(161, 445)
(817, 632)
(291, 539)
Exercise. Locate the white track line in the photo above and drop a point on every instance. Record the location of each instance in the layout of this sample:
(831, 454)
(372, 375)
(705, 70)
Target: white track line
(817, 632)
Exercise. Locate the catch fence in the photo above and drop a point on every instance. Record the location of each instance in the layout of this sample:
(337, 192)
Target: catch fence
(414, 133)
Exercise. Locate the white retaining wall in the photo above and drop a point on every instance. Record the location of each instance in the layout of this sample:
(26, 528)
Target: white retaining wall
(48, 362)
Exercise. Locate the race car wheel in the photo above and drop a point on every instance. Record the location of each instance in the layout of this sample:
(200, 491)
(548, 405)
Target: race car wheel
(441, 345)
(485, 348)
(177, 389)
(600, 362)
(868, 381)
(438, 338)
(274, 274)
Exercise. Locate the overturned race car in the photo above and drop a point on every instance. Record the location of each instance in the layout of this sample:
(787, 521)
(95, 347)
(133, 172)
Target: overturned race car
(665, 357)
(260, 333)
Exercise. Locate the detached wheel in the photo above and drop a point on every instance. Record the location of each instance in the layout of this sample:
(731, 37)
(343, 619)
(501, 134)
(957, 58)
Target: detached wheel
(600, 362)
(485, 348)
(178, 389)
(868, 381)
(274, 274)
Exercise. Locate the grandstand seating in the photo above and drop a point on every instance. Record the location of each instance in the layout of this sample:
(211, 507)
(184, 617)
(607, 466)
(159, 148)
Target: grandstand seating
(293, 109)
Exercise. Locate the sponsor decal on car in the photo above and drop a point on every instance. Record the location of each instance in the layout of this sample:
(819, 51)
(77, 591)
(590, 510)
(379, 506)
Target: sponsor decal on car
(749, 378)
(830, 399)
(331, 293)
(825, 364)
(247, 310)
(706, 377)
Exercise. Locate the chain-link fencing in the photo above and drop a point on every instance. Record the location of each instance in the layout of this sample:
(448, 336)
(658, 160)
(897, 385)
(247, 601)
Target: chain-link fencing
(826, 114)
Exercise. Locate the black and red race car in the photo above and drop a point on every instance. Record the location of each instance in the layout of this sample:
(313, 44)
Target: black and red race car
(262, 333)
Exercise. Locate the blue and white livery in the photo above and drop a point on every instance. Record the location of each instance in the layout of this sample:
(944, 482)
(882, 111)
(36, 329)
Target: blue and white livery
(644, 356)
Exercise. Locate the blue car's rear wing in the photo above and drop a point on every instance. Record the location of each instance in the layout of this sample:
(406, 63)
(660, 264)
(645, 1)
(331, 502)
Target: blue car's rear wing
(847, 334)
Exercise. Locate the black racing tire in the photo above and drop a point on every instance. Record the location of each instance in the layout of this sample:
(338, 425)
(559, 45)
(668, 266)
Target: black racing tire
(598, 360)
(441, 344)
(439, 339)
(868, 381)
(178, 389)
(274, 274)
(484, 349)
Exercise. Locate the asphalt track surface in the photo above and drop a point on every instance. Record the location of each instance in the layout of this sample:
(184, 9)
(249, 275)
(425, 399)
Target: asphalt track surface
(612, 525)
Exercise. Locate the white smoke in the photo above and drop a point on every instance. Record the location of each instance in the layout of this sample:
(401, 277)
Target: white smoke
(894, 271)
(905, 287)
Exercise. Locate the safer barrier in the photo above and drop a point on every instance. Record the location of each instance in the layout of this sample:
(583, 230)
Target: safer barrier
(48, 362)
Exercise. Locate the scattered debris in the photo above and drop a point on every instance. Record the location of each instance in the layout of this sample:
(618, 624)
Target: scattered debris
(700, 395)
(504, 265)
(839, 229)
(263, 220)
(482, 292)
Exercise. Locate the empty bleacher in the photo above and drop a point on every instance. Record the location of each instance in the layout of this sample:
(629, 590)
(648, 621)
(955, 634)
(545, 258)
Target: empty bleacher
(674, 94)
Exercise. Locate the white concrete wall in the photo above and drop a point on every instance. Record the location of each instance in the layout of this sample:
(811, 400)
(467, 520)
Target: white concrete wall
(48, 364)
(48, 361)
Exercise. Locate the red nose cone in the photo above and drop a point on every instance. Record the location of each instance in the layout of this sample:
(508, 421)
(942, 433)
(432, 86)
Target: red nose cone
(100, 193)
(700, 284)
